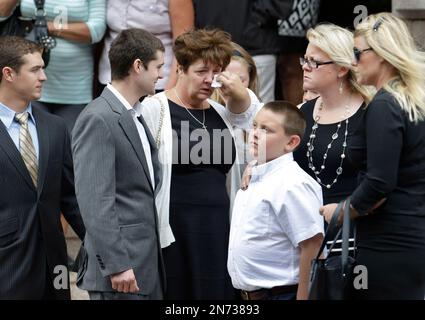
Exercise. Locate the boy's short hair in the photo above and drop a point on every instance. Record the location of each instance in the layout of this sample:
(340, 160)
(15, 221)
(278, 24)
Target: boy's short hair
(12, 51)
(129, 45)
(292, 118)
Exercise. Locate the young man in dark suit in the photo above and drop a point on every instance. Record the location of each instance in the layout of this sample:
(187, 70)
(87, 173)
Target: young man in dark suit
(117, 176)
(36, 181)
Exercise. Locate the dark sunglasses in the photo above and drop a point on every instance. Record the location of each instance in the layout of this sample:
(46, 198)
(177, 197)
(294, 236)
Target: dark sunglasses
(358, 52)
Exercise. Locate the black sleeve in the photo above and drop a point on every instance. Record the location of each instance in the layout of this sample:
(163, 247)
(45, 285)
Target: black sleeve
(69, 205)
(384, 140)
(267, 12)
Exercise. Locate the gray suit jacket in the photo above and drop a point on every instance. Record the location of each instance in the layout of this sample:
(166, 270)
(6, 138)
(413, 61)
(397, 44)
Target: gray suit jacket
(116, 197)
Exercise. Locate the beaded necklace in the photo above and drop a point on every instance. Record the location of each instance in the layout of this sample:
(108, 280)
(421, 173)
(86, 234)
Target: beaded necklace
(335, 135)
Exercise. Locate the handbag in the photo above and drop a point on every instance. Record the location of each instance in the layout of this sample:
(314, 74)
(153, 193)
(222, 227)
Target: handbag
(33, 30)
(332, 278)
(40, 33)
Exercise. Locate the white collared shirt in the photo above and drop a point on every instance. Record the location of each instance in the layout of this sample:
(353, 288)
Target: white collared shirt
(135, 112)
(279, 210)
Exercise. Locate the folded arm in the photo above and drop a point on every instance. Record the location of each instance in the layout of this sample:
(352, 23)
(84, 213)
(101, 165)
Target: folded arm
(91, 31)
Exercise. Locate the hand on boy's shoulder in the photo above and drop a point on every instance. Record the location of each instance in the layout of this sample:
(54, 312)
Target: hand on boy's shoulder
(247, 174)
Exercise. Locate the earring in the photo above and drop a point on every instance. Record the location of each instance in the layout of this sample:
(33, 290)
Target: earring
(341, 89)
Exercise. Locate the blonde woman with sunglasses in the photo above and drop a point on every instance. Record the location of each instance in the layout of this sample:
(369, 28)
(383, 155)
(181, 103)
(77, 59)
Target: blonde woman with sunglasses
(389, 203)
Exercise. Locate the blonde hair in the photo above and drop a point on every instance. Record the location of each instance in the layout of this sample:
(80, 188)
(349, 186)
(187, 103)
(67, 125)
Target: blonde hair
(390, 39)
(338, 44)
(241, 55)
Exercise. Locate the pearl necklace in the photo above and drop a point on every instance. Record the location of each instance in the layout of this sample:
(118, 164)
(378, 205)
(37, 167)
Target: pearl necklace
(310, 147)
(203, 118)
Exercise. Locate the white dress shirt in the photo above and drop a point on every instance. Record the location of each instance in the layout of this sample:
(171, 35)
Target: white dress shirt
(279, 210)
(135, 112)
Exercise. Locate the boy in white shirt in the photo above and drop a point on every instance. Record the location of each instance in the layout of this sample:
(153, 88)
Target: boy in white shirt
(276, 228)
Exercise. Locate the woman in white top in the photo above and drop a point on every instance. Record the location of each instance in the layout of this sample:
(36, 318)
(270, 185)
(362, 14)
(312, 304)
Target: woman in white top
(197, 149)
(165, 19)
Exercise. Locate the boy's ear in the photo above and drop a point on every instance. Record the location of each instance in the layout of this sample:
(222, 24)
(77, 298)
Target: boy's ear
(293, 143)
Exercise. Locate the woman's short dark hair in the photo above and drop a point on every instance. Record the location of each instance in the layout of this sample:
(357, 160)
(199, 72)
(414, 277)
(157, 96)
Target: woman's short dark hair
(211, 46)
(12, 51)
(129, 45)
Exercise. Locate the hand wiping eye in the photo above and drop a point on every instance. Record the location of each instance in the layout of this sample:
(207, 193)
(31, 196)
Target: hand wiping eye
(215, 83)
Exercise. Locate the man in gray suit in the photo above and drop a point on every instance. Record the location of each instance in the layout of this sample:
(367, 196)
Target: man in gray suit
(117, 175)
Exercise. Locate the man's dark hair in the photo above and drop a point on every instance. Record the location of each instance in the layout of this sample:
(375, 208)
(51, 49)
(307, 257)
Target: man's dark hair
(129, 45)
(13, 50)
(292, 118)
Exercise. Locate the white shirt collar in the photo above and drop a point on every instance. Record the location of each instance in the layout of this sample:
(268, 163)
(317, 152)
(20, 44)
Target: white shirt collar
(120, 97)
(261, 170)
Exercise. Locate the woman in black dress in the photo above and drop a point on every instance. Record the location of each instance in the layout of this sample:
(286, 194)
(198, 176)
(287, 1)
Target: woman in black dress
(196, 146)
(389, 203)
(334, 116)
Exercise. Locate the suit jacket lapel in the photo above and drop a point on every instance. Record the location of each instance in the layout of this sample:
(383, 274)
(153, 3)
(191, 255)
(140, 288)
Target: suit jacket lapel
(9, 148)
(43, 153)
(129, 127)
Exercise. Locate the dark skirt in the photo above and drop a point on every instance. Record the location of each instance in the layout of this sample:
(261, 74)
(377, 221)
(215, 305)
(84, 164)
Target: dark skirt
(392, 248)
(196, 263)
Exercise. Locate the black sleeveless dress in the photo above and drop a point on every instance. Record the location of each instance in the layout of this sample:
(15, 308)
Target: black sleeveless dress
(196, 263)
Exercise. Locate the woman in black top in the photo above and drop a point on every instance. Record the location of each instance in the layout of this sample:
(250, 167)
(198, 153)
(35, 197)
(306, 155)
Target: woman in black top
(339, 109)
(389, 202)
(347, 180)
(198, 154)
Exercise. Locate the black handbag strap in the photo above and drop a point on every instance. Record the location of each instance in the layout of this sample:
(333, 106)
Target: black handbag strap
(41, 34)
(39, 9)
(39, 4)
(332, 229)
(345, 237)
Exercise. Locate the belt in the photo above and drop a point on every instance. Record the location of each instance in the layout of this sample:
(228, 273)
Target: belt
(262, 294)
